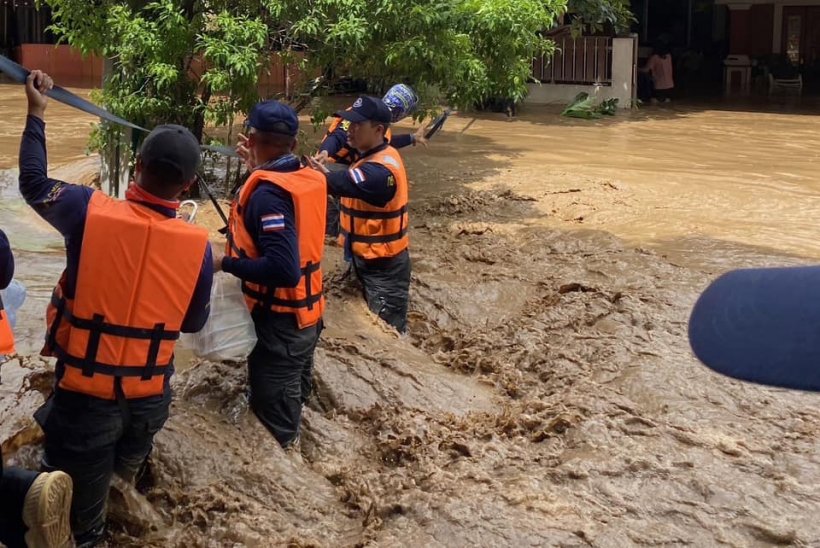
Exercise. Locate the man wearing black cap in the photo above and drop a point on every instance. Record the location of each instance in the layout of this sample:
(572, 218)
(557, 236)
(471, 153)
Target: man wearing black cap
(373, 214)
(275, 246)
(135, 277)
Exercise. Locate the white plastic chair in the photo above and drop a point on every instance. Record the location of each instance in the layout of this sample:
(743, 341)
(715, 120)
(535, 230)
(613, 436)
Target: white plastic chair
(786, 83)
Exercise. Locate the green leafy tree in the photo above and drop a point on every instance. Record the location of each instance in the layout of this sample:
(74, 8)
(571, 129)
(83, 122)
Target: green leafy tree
(599, 15)
(172, 61)
(460, 50)
(194, 62)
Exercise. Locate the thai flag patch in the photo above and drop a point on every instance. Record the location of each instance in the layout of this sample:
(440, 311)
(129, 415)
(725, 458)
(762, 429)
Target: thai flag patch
(273, 222)
(357, 175)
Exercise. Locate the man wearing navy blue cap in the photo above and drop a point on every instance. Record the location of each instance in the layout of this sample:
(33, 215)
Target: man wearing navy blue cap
(373, 215)
(275, 246)
(400, 99)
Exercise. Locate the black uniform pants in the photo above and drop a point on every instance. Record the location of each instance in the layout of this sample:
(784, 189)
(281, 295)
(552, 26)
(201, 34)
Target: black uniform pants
(90, 439)
(386, 285)
(279, 372)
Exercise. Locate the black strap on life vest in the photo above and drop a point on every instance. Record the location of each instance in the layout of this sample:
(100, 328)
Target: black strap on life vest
(354, 214)
(343, 155)
(381, 215)
(267, 297)
(97, 327)
(59, 305)
(229, 236)
(381, 239)
(307, 272)
(116, 330)
(125, 370)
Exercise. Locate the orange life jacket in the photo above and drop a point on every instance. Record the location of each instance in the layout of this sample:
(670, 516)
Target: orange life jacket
(6, 336)
(137, 274)
(308, 190)
(346, 154)
(377, 232)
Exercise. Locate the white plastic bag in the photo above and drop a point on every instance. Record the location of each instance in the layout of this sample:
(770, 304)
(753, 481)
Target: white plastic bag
(229, 333)
(13, 298)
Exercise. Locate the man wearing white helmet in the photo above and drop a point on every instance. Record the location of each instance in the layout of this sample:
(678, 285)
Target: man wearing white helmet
(401, 100)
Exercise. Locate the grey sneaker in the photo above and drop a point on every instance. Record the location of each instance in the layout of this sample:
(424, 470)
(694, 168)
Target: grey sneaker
(46, 511)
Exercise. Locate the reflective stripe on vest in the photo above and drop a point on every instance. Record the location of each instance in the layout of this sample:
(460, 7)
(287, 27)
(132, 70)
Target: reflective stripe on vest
(6, 335)
(377, 232)
(346, 154)
(137, 274)
(308, 191)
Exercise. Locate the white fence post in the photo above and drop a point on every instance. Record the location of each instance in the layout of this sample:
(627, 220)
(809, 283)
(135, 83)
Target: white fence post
(623, 70)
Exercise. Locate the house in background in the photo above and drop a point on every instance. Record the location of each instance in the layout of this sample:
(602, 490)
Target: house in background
(789, 27)
(704, 34)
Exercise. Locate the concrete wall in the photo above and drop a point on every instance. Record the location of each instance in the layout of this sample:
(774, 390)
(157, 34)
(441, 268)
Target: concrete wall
(622, 88)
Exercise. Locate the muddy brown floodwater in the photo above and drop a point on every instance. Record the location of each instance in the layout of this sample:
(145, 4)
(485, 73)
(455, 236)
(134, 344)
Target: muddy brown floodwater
(546, 394)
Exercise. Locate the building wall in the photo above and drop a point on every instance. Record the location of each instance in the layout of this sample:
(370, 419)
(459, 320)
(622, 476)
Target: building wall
(282, 78)
(24, 37)
(765, 20)
(761, 29)
(69, 68)
(563, 94)
(63, 63)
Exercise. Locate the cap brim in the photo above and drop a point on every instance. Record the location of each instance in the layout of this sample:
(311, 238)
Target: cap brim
(351, 116)
(761, 325)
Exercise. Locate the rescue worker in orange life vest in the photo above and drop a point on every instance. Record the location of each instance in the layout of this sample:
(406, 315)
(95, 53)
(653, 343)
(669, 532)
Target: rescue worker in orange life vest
(373, 215)
(34, 506)
(275, 246)
(135, 278)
